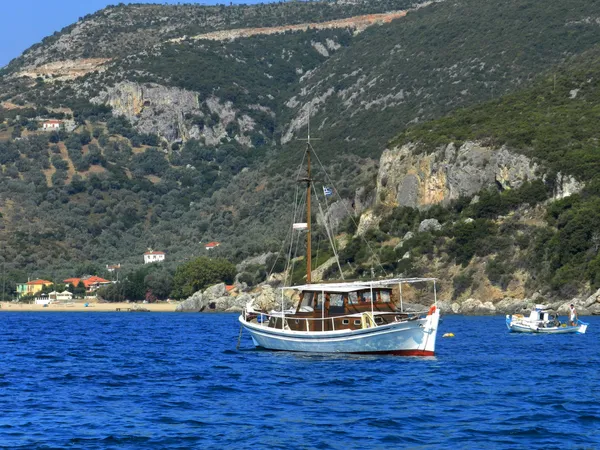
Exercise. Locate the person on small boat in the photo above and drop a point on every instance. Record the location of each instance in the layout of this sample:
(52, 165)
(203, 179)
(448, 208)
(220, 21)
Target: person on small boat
(572, 315)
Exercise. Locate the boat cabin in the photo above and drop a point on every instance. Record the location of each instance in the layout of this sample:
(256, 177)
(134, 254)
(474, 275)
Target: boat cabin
(544, 317)
(328, 307)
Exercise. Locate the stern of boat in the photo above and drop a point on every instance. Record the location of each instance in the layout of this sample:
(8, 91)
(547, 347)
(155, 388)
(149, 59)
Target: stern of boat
(582, 327)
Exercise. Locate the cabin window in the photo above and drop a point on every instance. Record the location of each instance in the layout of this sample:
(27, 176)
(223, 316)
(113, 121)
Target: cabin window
(336, 300)
(365, 297)
(319, 304)
(378, 320)
(357, 322)
(384, 297)
(307, 299)
(352, 298)
(345, 322)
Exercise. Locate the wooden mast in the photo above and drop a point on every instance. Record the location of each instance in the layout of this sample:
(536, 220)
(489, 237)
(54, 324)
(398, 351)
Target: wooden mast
(308, 222)
(308, 181)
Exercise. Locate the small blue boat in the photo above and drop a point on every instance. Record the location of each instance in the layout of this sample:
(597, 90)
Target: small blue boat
(543, 321)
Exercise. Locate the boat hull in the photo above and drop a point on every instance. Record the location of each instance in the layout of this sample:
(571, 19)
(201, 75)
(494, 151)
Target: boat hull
(408, 338)
(527, 328)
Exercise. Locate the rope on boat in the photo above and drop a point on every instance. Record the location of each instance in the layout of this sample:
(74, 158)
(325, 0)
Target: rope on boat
(329, 233)
(350, 213)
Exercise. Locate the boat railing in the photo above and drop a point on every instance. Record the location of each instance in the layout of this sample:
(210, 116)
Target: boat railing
(367, 318)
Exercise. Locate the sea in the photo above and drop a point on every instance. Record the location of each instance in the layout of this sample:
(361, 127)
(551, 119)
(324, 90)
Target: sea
(124, 380)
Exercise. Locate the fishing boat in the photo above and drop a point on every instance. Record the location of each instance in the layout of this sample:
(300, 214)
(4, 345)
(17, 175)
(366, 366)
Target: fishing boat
(544, 321)
(366, 316)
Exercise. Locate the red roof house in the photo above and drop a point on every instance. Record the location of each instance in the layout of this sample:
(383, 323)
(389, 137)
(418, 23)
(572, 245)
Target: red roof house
(91, 283)
(152, 256)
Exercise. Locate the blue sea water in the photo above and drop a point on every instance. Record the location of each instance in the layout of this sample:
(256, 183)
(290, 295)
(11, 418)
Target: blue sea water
(176, 381)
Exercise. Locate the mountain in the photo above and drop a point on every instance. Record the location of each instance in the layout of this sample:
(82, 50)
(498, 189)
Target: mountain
(182, 121)
(499, 199)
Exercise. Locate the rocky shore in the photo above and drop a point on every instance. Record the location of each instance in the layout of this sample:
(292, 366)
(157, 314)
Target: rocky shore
(585, 306)
(218, 298)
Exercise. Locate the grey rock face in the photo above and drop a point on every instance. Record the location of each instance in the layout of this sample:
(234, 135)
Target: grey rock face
(514, 306)
(237, 304)
(477, 307)
(409, 178)
(429, 225)
(335, 214)
(152, 108)
(260, 260)
(414, 307)
(363, 199)
(367, 221)
(408, 191)
(212, 293)
(193, 304)
(594, 298)
(217, 299)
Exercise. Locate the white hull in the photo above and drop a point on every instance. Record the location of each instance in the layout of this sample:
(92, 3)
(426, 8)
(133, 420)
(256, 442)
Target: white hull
(526, 328)
(414, 337)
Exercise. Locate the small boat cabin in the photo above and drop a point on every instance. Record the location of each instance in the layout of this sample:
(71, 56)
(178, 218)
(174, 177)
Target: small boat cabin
(343, 306)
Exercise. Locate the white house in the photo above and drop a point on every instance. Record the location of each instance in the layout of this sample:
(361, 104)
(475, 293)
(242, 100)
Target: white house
(46, 299)
(114, 267)
(61, 296)
(51, 125)
(152, 257)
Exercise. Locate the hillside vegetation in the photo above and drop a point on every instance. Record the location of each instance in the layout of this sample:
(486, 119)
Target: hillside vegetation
(515, 235)
(171, 144)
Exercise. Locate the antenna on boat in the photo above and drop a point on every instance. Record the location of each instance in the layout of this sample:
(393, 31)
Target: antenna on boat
(308, 182)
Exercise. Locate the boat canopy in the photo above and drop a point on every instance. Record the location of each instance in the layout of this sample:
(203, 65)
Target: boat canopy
(358, 285)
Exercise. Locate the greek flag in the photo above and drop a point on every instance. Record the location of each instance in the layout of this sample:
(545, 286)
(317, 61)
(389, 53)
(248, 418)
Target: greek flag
(327, 191)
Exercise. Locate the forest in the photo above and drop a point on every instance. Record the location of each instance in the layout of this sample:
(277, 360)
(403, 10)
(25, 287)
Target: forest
(102, 191)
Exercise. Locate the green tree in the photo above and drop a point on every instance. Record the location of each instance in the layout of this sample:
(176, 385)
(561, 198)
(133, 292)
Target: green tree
(201, 273)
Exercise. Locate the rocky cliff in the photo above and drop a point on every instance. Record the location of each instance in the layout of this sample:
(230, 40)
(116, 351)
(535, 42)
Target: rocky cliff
(408, 177)
(170, 112)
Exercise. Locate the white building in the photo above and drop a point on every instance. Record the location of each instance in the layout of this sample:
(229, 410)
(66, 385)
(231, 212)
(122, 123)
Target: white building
(51, 125)
(152, 257)
(46, 299)
(114, 267)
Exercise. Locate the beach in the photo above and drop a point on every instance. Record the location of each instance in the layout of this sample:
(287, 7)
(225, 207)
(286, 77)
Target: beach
(91, 307)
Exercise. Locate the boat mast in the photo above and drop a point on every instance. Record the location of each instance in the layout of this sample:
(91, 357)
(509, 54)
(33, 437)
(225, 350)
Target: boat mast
(308, 181)
(308, 222)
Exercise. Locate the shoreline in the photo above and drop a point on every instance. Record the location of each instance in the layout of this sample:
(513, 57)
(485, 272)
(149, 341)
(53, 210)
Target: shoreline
(79, 306)
(163, 307)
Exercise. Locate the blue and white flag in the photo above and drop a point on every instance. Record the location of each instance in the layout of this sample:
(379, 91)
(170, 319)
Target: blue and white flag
(327, 191)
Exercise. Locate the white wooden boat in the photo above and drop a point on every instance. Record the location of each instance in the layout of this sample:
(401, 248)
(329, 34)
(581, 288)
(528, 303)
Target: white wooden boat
(543, 321)
(360, 317)
(347, 317)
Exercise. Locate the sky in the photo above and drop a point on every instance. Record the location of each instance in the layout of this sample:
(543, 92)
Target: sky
(26, 22)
